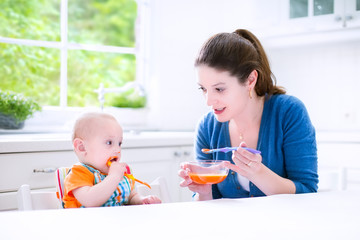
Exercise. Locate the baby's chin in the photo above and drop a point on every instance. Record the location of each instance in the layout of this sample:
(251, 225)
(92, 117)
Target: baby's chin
(103, 169)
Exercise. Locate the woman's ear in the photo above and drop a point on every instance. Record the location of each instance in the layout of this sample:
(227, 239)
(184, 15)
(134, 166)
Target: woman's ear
(253, 78)
(79, 146)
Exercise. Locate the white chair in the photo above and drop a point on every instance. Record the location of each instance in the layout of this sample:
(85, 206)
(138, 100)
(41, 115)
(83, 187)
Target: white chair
(332, 178)
(158, 188)
(36, 200)
(40, 199)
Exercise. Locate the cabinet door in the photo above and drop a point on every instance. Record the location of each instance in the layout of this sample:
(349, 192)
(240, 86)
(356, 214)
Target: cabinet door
(184, 154)
(313, 15)
(353, 179)
(35, 169)
(352, 13)
(338, 164)
(318, 15)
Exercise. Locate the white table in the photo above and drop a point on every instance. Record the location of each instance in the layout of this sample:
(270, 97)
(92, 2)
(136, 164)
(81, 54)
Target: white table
(326, 215)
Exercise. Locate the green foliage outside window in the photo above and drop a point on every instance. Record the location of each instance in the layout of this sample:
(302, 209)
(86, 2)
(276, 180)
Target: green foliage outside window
(35, 71)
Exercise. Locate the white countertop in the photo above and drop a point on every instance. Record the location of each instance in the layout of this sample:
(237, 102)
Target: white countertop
(325, 215)
(10, 143)
(34, 142)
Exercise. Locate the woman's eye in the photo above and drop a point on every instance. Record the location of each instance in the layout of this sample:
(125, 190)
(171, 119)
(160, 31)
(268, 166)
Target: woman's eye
(108, 142)
(219, 89)
(202, 89)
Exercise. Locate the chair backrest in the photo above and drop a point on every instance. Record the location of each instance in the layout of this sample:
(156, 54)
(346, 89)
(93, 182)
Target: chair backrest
(159, 188)
(36, 200)
(41, 199)
(60, 175)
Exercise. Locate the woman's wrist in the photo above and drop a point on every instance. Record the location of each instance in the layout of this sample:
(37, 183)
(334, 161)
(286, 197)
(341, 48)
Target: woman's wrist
(261, 168)
(203, 196)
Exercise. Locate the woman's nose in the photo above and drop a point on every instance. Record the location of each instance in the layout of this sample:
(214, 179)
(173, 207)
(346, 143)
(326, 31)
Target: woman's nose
(210, 99)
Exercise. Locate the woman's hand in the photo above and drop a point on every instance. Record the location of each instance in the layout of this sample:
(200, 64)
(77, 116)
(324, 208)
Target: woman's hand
(250, 166)
(247, 164)
(204, 190)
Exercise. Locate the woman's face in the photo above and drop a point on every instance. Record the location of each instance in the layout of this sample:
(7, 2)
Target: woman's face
(223, 93)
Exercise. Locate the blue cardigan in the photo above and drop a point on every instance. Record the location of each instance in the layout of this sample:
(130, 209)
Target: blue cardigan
(286, 141)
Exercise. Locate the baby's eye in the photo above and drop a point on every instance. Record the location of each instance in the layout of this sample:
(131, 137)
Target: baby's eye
(120, 144)
(108, 142)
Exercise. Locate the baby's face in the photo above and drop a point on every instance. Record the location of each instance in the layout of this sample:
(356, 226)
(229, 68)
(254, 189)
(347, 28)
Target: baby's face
(104, 142)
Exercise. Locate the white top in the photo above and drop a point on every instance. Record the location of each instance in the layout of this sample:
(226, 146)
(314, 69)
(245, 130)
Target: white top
(244, 182)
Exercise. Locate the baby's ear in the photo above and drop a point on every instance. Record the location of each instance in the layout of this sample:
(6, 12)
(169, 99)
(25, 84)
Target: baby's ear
(79, 146)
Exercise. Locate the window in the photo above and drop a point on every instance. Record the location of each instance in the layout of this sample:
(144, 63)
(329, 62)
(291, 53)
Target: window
(60, 51)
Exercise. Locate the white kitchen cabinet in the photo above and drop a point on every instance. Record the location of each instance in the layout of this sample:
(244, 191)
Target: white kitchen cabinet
(320, 15)
(309, 22)
(339, 160)
(149, 156)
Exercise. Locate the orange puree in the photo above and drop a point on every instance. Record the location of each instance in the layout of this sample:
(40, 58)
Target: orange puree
(207, 178)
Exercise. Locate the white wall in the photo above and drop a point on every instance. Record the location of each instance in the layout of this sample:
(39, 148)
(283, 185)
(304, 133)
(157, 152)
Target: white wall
(324, 76)
(179, 28)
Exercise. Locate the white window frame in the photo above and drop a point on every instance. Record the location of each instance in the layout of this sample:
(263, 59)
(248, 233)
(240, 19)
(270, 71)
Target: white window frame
(57, 118)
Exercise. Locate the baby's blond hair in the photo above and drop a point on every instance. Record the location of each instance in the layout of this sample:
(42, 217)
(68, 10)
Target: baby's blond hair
(83, 125)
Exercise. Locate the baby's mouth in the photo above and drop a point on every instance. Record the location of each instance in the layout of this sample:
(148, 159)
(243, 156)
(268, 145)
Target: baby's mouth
(111, 159)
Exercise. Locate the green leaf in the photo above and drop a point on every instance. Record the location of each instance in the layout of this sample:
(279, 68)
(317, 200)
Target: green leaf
(17, 106)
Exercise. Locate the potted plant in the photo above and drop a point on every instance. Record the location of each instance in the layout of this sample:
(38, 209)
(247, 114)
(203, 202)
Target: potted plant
(15, 109)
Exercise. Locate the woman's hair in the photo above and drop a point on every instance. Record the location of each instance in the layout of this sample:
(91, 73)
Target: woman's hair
(240, 53)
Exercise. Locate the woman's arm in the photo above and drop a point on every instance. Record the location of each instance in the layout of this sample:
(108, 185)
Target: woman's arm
(270, 183)
(250, 166)
(291, 153)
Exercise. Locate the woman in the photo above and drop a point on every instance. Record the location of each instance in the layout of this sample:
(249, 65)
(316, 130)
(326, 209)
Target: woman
(248, 109)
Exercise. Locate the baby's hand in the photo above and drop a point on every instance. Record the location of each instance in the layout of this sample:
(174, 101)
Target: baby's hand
(151, 199)
(117, 169)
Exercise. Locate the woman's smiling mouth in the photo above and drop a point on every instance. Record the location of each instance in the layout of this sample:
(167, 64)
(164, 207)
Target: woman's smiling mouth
(219, 110)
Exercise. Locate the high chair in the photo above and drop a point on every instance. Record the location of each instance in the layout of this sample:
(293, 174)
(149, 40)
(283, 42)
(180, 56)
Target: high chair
(60, 175)
(36, 200)
(40, 199)
(158, 188)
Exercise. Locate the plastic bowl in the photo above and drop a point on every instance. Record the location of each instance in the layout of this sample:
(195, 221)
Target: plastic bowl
(207, 171)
